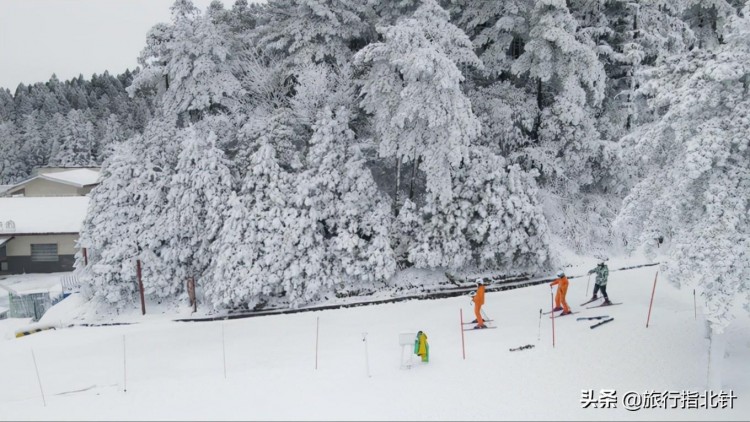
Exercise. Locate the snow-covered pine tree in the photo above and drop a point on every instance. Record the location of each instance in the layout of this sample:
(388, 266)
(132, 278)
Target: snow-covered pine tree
(109, 231)
(77, 144)
(35, 149)
(194, 212)
(693, 160)
(563, 66)
(158, 151)
(301, 32)
(339, 193)
(6, 105)
(498, 30)
(11, 164)
(568, 151)
(192, 62)
(113, 134)
(412, 87)
(495, 221)
(707, 19)
(251, 251)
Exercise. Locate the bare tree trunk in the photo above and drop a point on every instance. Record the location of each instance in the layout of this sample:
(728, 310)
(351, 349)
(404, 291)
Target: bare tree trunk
(398, 186)
(417, 160)
(539, 102)
(629, 122)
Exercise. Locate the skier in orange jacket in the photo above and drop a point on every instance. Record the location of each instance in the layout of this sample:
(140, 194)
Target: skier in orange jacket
(478, 300)
(562, 282)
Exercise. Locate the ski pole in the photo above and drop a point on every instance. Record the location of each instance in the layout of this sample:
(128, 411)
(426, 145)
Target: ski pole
(463, 344)
(552, 299)
(652, 299)
(367, 357)
(695, 305)
(486, 318)
(587, 286)
(539, 331)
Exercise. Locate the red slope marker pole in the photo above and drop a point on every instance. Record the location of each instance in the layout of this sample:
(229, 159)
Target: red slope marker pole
(552, 298)
(463, 344)
(652, 299)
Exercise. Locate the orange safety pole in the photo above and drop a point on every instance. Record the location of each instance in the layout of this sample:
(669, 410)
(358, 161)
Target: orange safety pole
(463, 344)
(652, 298)
(552, 298)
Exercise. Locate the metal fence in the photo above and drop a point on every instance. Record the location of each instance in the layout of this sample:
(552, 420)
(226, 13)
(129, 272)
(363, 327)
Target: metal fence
(32, 305)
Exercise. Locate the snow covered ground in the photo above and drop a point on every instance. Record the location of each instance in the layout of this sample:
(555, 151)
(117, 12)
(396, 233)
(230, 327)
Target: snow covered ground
(176, 370)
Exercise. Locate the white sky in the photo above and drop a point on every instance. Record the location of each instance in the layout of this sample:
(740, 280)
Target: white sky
(72, 37)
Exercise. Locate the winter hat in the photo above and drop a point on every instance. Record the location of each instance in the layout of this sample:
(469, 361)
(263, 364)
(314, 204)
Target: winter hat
(560, 274)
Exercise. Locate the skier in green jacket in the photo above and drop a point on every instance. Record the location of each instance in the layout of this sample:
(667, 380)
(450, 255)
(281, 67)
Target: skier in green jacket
(602, 272)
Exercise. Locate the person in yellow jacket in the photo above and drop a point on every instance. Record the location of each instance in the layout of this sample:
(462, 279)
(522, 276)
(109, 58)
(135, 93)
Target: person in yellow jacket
(478, 300)
(421, 348)
(562, 289)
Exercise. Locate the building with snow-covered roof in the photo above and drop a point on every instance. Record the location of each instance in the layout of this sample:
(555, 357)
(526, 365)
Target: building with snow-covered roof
(39, 234)
(56, 181)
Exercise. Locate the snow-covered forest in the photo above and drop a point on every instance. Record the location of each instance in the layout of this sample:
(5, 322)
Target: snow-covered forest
(71, 123)
(289, 151)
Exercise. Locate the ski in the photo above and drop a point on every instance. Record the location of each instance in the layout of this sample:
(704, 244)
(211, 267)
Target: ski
(602, 305)
(600, 323)
(478, 329)
(486, 320)
(528, 346)
(549, 312)
(560, 316)
(593, 317)
(592, 300)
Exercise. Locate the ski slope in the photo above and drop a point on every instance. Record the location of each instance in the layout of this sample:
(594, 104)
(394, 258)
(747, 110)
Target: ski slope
(264, 368)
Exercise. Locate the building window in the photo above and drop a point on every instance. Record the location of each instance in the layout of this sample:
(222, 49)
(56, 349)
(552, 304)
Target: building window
(44, 252)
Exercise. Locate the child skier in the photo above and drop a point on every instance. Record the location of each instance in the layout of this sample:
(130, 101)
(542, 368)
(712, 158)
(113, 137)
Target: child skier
(562, 282)
(478, 299)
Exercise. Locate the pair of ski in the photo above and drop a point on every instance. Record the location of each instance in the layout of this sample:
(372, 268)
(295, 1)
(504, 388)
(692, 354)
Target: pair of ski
(603, 320)
(475, 328)
(588, 307)
(599, 306)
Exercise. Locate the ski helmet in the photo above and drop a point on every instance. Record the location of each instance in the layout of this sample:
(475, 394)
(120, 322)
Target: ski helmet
(480, 282)
(560, 274)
